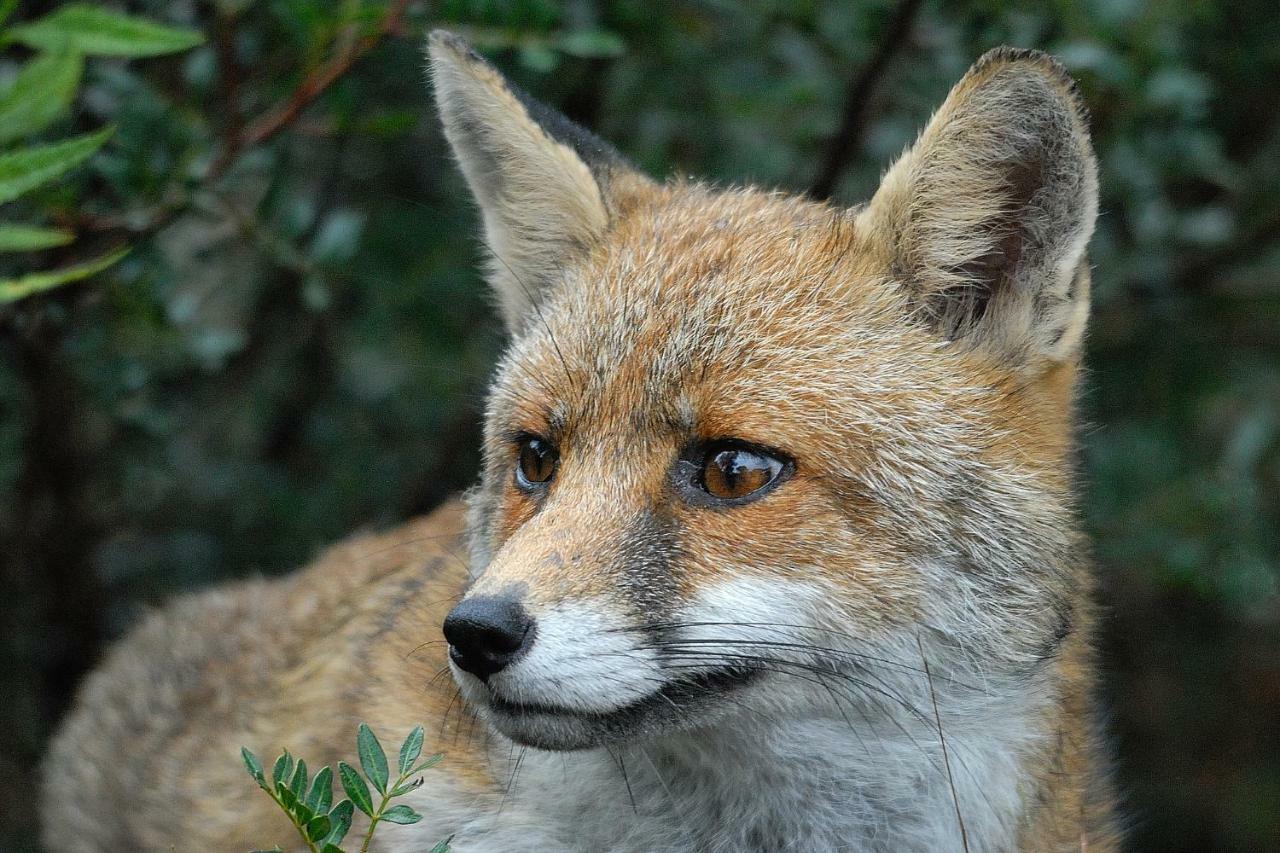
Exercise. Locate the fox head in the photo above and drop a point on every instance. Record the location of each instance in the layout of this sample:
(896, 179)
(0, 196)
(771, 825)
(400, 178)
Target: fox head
(748, 452)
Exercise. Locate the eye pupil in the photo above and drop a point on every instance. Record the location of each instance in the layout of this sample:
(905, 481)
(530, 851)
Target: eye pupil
(537, 462)
(737, 472)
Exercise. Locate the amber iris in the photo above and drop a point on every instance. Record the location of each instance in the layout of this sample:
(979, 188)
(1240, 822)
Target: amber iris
(537, 462)
(737, 472)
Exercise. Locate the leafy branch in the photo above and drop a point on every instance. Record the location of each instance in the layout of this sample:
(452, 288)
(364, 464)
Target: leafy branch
(323, 825)
(312, 86)
(352, 48)
(40, 94)
(44, 89)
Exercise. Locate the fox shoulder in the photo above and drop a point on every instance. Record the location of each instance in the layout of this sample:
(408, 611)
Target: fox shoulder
(267, 664)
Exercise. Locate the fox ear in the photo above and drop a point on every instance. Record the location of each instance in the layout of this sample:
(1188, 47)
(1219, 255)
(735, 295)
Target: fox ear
(542, 182)
(986, 218)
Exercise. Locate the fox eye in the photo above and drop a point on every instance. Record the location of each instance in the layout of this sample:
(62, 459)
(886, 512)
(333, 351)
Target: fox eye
(535, 463)
(732, 472)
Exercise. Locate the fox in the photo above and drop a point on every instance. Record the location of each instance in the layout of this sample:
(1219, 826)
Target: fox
(774, 545)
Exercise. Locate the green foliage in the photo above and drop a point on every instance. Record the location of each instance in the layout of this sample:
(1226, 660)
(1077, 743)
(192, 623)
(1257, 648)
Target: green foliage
(40, 94)
(322, 826)
(11, 290)
(543, 51)
(355, 787)
(372, 758)
(24, 238)
(101, 32)
(23, 170)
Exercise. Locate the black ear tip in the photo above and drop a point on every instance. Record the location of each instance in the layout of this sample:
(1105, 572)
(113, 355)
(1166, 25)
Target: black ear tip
(1008, 55)
(441, 38)
(445, 43)
(1045, 63)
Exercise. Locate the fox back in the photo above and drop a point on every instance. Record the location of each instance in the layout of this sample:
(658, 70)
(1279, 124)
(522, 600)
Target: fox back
(774, 544)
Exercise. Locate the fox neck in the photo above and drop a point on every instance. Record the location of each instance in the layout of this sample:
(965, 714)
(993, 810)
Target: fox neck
(755, 784)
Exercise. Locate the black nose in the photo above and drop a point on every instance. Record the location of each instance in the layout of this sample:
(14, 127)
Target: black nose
(486, 633)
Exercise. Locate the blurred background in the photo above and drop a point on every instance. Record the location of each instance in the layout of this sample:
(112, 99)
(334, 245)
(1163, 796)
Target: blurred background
(296, 346)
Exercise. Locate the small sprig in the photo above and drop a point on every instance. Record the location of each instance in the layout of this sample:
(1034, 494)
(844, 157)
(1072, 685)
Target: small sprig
(308, 804)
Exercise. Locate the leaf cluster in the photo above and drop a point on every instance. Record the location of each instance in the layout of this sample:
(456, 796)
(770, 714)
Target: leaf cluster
(308, 802)
(40, 94)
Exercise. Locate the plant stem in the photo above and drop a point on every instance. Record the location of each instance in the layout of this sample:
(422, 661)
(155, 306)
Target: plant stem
(241, 136)
(377, 813)
(374, 818)
(302, 830)
(312, 86)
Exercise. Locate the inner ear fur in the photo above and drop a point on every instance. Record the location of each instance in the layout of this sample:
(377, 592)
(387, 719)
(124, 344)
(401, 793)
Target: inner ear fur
(546, 188)
(985, 220)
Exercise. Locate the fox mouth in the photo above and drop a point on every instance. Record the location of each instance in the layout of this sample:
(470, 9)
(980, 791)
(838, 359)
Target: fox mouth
(679, 703)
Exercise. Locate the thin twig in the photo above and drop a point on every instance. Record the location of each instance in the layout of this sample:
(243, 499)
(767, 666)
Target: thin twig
(267, 125)
(315, 84)
(229, 73)
(852, 120)
(946, 759)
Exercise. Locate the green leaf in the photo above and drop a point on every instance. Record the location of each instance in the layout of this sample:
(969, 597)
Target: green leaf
(321, 792)
(406, 787)
(340, 816)
(251, 762)
(102, 32)
(442, 846)
(299, 810)
(41, 92)
(592, 43)
(287, 799)
(355, 787)
(28, 168)
(372, 758)
(401, 814)
(281, 769)
(337, 238)
(6, 9)
(318, 827)
(25, 238)
(539, 58)
(429, 763)
(331, 848)
(410, 750)
(298, 784)
(14, 289)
